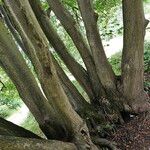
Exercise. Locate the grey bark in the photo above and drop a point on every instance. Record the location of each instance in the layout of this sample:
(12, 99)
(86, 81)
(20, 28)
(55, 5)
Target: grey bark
(105, 72)
(76, 69)
(132, 59)
(9, 129)
(52, 109)
(76, 99)
(73, 124)
(11, 27)
(15, 143)
(14, 65)
(80, 105)
(70, 26)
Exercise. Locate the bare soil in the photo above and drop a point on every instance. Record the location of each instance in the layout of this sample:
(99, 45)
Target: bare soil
(133, 135)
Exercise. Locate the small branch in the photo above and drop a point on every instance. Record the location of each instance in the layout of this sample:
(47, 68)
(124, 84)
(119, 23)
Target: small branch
(96, 16)
(3, 86)
(146, 23)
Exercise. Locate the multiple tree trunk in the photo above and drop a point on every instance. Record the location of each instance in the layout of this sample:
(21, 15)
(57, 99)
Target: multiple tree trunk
(60, 110)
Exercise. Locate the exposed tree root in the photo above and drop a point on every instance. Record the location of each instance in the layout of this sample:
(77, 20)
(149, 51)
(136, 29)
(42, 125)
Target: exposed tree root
(104, 143)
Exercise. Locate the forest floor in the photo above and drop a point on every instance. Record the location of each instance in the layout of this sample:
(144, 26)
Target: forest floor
(133, 135)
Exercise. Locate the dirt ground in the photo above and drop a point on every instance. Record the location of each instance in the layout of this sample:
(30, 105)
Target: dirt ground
(134, 135)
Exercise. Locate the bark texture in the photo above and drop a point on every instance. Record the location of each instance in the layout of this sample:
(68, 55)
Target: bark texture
(77, 70)
(104, 69)
(59, 108)
(14, 64)
(14, 143)
(9, 129)
(71, 27)
(73, 127)
(132, 58)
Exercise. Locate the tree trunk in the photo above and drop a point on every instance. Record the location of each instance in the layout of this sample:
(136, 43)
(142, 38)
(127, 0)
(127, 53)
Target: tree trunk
(76, 69)
(14, 65)
(74, 127)
(60, 110)
(15, 143)
(132, 58)
(9, 129)
(103, 67)
(71, 27)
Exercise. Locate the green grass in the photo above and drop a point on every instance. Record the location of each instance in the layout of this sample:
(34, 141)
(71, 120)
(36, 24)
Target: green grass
(115, 61)
(31, 124)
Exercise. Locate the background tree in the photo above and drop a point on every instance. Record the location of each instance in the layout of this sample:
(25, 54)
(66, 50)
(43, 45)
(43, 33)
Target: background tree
(61, 111)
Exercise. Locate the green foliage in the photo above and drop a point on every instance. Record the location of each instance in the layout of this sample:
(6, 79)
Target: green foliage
(147, 57)
(9, 98)
(5, 111)
(147, 86)
(110, 24)
(115, 61)
(146, 1)
(70, 3)
(101, 6)
(104, 6)
(147, 67)
(44, 4)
